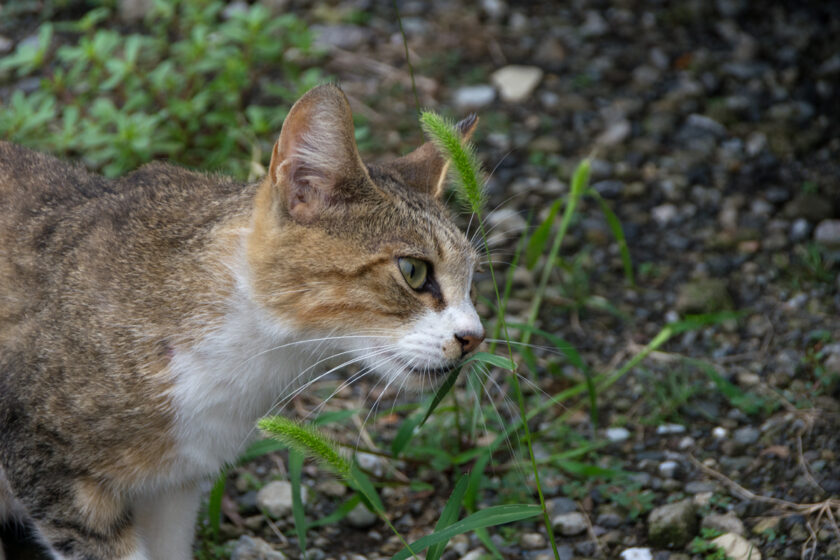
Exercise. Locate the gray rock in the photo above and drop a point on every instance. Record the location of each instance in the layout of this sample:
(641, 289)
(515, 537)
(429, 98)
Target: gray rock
(474, 97)
(557, 506)
(234, 9)
(361, 517)
(673, 525)
(703, 296)
(706, 124)
(668, 429)
(531, 541)
(276, 498)
(615, 133)
(828, 233)
(799, 230)
(737, 547)
(6, 44)
(569, 524)
(725, 523)
(746, 435)
(811, 206)
(343, 36)
(668, 468)
(594, 25)
(609, 188)
(609, 518)
(516, 83)
(495, 9)
(664, 214)
(254, 548)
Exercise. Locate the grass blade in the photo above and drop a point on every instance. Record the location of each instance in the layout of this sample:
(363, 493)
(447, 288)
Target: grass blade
(490, 517)
(618, 232)
(539, 239)
(214, 504)
(448, 517)
(295, 468)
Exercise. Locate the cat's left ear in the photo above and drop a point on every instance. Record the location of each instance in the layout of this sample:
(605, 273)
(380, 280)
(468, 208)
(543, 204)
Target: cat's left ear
(315, 162)
(425, 168)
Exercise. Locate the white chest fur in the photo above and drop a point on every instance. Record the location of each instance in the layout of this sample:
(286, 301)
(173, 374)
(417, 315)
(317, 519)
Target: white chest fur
(234, 375)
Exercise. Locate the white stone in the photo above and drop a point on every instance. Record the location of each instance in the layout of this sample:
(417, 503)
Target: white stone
(276, 498)
(361, 517)
(737, 547)
(719, 432)
(637, 554)
(664, 214)
(668, 468)
(616, 435)
(666, 429)
(569, 524)
(516, 83)
(474, 97)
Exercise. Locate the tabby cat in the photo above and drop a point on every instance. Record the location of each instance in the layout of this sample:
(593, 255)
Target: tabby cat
(147, 323)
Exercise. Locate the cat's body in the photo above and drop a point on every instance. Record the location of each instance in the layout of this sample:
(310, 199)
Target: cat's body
(146, 323)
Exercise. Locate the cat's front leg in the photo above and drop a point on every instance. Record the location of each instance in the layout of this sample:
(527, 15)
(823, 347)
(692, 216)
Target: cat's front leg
(166, 522)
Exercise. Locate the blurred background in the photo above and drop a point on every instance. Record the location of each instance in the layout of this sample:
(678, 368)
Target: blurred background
(712, 128)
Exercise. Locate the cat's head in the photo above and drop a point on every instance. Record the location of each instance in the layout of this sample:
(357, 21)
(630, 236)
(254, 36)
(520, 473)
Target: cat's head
(364, 254)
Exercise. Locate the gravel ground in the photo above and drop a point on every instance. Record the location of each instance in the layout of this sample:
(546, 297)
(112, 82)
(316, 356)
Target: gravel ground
(713, 131)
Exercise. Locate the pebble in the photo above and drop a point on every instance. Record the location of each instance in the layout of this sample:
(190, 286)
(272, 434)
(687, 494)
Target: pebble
(516, 83)
(668, 468)
(667, 429)
(254, 548)
(828, 233)
(342, 36)
(6, 44)
(737, 547)
(746, 435)
(361, 517)
(594, 25)
(615, 133)
(672, 525)
(664, 214)
(707, 124)
(705, 295)
(532, 541)
(723, 523)
(561, 505)
(617, 435)
(276, 498)
(636, 554)
(474, 554)
(699, 487)
(799, 230)
(569, 524)
(503, 224)
(474, 97)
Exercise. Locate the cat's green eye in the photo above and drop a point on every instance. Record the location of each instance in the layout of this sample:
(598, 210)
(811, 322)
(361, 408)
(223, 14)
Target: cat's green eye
(414, 271)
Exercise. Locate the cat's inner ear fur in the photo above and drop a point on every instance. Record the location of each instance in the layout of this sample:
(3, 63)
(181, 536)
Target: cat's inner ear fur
(425, 168)
(316, 158)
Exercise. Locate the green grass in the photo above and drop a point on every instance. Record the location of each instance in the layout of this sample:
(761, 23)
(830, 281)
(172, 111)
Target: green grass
(191, 87)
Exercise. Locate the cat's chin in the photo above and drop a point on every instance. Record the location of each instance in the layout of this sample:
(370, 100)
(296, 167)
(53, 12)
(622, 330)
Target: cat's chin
(416, 379)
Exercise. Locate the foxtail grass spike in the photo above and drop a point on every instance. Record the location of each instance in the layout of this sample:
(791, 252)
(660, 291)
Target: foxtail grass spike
(452, 140)
(308, 442)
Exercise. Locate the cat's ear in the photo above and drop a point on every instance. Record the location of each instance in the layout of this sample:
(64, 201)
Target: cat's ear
(316, 158)
(425, 168)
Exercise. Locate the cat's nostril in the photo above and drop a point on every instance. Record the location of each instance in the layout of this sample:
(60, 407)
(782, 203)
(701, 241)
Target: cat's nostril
(469, 341)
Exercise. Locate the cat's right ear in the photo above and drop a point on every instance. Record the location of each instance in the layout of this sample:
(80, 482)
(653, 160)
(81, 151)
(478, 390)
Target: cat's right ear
(316, 157)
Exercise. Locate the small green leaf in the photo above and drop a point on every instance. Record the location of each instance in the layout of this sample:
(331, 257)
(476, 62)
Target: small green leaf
(492, 359)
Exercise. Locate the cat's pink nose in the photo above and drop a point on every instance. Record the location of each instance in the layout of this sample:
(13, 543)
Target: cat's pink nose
(469, 341)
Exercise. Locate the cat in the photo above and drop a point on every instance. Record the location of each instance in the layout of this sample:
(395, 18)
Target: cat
(146, 323)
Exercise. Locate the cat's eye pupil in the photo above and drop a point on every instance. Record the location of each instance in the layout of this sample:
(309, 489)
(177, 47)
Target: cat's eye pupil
(414, 271)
